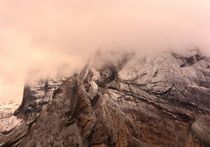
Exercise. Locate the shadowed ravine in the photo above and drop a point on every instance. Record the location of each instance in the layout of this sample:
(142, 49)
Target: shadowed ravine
(122, 100)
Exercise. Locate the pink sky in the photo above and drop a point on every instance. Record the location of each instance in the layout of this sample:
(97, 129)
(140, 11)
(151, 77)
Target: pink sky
(53, 32)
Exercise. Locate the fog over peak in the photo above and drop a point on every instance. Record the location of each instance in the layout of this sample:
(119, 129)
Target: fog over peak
(47, 34)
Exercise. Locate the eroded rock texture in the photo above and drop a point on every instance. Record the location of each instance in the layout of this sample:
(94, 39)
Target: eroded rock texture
(122, 100)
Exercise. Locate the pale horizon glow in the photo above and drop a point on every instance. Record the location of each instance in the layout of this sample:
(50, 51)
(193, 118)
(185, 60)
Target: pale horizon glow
(46, 34)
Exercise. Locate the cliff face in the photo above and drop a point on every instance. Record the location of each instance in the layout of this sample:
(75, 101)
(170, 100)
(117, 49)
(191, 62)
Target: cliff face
(120, 100)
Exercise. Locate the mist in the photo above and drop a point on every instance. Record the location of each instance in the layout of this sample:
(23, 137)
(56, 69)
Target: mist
(47, 34)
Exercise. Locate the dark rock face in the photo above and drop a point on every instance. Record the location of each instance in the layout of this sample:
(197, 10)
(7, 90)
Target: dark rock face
(37, 95)
(120, 100)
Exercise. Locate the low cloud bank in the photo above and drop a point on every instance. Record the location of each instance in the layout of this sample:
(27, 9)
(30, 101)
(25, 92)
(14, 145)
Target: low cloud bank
(48, 34)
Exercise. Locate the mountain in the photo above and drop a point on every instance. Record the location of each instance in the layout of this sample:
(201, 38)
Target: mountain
(119, 99)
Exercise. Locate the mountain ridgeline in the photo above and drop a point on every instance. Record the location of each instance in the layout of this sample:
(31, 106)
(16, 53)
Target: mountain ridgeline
(119, 100)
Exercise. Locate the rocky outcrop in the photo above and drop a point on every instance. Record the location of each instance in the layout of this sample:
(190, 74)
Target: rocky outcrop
(120, 99)
(7, 119)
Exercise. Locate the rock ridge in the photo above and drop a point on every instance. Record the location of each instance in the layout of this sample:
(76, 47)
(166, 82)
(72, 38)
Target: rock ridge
(120, 100)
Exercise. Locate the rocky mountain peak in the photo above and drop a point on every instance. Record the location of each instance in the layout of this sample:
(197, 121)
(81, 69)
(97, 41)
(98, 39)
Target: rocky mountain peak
(119, 99)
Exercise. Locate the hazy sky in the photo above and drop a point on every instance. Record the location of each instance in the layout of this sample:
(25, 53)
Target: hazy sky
(48, 33)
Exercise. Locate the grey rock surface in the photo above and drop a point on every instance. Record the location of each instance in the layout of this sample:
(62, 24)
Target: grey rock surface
(122, 100)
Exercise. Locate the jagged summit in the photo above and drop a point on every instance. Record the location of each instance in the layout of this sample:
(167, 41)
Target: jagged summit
(120, 99)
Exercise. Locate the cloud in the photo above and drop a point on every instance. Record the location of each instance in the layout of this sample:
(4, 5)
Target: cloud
(46, 34)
